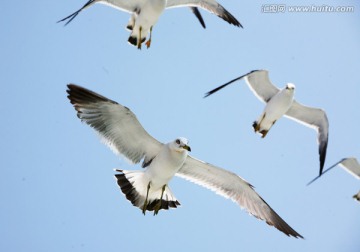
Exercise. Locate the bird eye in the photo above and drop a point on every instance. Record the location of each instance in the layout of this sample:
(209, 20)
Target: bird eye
(177, 141)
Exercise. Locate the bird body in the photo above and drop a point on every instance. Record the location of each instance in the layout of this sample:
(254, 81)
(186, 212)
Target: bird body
(145, 20)
(151, 185)
(277, 106)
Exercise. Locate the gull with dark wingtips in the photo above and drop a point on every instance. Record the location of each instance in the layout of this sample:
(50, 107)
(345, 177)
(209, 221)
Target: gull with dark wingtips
(145, 13)
(282, 103)
(351, 165)
(149, 189)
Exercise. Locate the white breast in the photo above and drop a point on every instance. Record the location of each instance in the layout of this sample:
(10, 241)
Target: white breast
(164, 166)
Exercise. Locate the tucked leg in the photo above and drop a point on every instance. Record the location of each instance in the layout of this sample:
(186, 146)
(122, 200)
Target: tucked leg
(158, 205)
(146, 199)
(256, 124)
(149, 40)
(139, 40)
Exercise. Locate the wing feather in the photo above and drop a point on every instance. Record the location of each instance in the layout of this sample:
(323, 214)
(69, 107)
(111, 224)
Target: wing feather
(230, 185)
(209, 5)
(352, 166)
(258, 82)
(116, 124)
(314, 118)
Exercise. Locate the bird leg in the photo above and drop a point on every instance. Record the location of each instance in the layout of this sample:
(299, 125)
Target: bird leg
(158, 205)
(146, 199)
(256, 124)
(149, 40)
(264, 132)
(139, 40)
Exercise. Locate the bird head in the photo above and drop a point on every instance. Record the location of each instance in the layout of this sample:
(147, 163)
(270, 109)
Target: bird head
(290, 86)
(180, 144)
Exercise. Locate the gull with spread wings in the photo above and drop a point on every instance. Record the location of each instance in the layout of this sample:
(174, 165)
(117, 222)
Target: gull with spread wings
(145, 13)
(351, 165)
(148, 189)
(282, 103)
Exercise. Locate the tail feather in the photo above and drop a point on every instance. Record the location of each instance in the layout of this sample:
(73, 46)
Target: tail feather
(134, 184)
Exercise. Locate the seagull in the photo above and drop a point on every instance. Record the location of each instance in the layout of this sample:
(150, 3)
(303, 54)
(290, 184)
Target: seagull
(145, 13)
(282, 103)
(351, 165)
(148, 189)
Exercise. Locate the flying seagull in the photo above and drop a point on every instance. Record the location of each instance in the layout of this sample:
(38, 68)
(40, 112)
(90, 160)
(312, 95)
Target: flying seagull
(148, 189)
(144, 14)
(351, 165)
(282, 102)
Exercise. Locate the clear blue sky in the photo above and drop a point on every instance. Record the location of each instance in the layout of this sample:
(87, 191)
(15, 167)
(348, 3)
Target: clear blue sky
(57, 188)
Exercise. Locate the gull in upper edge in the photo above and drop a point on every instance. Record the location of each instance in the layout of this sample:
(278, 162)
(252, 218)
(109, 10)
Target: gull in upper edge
(145, 13)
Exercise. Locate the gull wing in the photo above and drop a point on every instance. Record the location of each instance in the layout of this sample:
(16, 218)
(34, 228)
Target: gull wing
(258, 82)
(123, 5)
(116, 124)
(351, 165)
(314, 118)
(230, 185)
(198, 16)
(209, 5)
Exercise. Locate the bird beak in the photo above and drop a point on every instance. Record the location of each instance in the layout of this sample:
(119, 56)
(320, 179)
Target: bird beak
(186, 147)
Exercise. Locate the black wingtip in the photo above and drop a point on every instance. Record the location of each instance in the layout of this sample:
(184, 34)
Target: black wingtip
(313, 180)
(215, 90)
(70, 17)
(73, 15)
(197, 13)
(328, 169)
(228, 17)
(228, 83)
(80, 95)
(322, 153)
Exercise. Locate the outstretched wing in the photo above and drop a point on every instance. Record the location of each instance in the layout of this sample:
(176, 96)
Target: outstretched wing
(230, 185)
(258, 82)
(116, 124)
(209, 5)
(314, 118)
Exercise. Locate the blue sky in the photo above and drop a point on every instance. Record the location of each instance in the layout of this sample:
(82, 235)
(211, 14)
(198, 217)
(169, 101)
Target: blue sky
(57, 187)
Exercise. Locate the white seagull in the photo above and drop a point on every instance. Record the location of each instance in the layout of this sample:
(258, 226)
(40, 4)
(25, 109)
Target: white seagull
(148, 189)
(145, 13)
(351, 165)
(282, 103)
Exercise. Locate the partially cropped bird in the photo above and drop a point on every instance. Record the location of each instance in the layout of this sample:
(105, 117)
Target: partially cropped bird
(351, 165)
(145, 13)
(149, 189)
